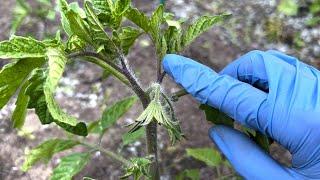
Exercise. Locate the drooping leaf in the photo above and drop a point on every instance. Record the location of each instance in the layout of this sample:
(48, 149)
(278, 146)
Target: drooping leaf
(127, 37)
(19, 113)
(190, 174)
(37, 99)
(57, 62)
(139, 168)
(21, 47)
(215, 116)
(207, 155)
(56, 65)
(46, 150)
(113, 113)
(129, 138)
(139, 18)
(70, 166)
(12, 75)
(200, 26)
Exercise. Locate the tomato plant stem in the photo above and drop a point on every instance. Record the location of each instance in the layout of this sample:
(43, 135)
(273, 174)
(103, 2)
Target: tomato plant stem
(151, 129)
(108, 153)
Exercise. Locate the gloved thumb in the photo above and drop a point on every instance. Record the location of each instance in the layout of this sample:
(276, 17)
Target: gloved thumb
(248, 159)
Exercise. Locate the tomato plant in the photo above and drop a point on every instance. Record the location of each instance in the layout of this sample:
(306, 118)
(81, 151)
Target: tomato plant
(97, 33)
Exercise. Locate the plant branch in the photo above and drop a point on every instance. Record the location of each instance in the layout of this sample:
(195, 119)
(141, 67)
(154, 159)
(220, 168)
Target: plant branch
(108, 153)
(134, 83)
(151, 129)
(105, 64)
(160, 78)
(175, 96)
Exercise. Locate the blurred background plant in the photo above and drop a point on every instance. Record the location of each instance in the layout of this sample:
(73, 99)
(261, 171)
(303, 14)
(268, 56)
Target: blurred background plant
(33, 13)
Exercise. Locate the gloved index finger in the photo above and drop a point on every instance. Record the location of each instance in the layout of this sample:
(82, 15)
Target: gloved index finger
(238, 100)
(249, 68)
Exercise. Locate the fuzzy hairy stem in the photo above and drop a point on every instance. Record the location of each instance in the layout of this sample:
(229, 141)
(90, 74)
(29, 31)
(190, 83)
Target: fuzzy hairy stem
(151, 129)
(103, 63)
(134, 83)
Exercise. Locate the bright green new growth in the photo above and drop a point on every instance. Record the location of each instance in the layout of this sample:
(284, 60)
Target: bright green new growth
(161, 110)
(96, 34)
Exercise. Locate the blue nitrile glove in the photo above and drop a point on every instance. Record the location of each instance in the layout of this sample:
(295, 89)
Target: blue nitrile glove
(267, 91)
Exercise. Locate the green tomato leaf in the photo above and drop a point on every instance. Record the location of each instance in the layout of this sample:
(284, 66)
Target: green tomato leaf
(70, 166)
(20, 12)
(155, 30)
(46, 150)
(72, 22)
(104, 13)
(173, 39)
(121, 6)
(37, 99)
(57, 62)
(215, 116)
(75, 44)
(127, 37)
(19, 113)
(100, 37)
(200, 26)
(76, 8)
(129, 138)
(161, 48)
(12, 75)
(64, 8)
(155, 24)
(21, 47)
(139, 18)
(113, 113)
(102, 5)
(207, 155)
(78, 26)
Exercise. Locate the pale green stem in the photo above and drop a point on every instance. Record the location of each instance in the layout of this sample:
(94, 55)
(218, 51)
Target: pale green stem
(108, 153)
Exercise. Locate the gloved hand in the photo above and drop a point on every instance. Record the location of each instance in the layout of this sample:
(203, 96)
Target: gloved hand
(270, 92)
